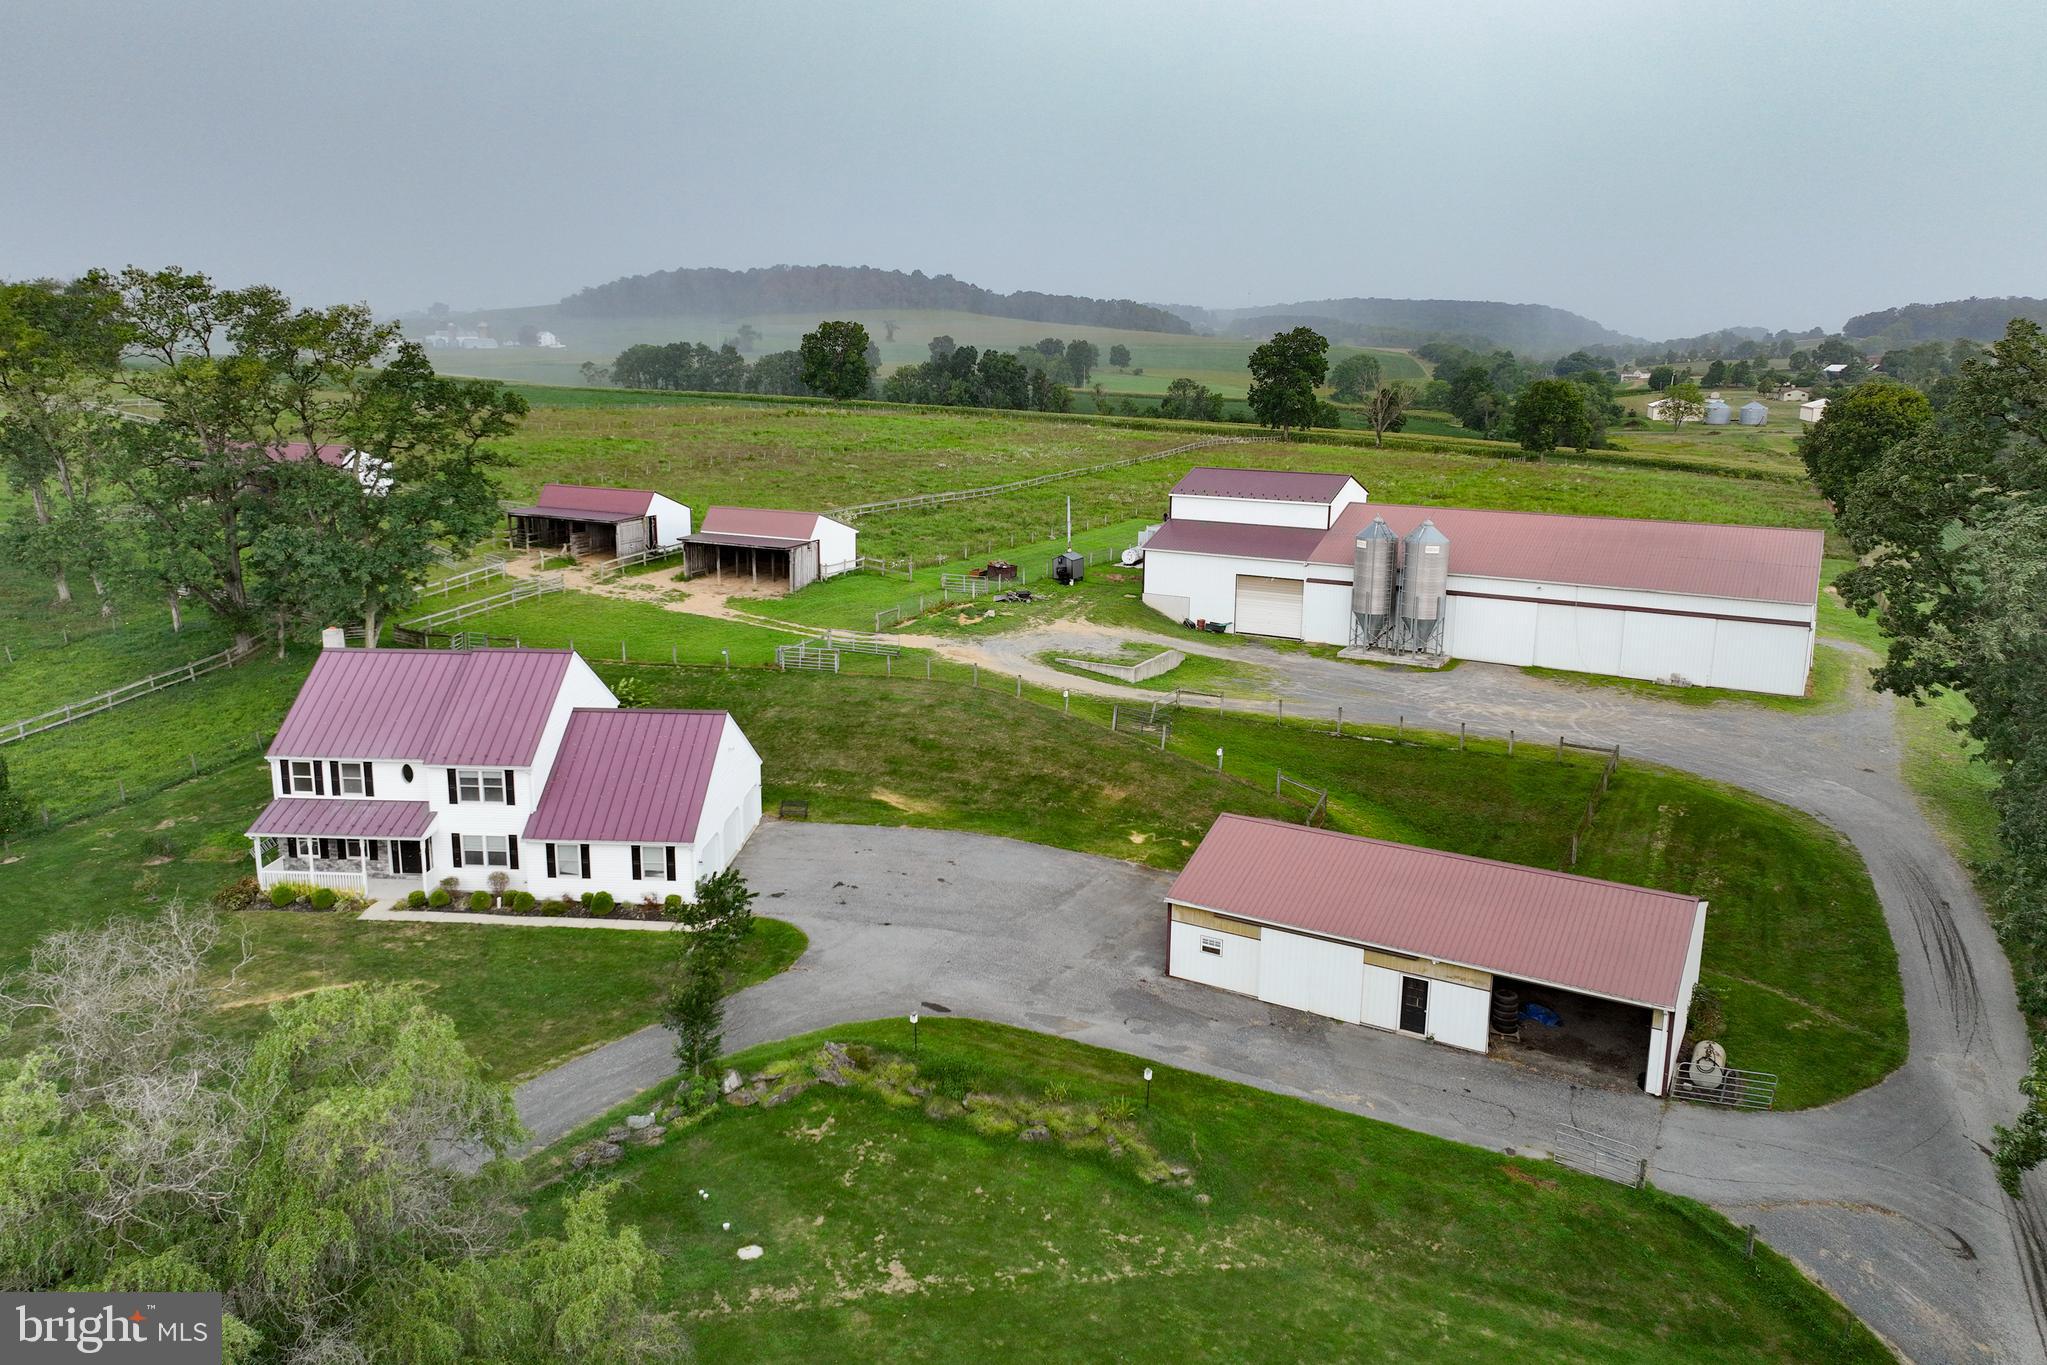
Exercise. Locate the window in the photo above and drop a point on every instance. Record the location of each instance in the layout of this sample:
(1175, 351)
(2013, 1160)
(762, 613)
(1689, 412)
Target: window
(302, 776)
(654, 862)
(474, 785)
(568, 861)
(349, 780)
(406, 772)
(1211, 945)
(486, 850)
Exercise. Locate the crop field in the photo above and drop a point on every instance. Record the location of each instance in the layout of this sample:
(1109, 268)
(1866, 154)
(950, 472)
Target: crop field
(1219, 362)
(898, 1228)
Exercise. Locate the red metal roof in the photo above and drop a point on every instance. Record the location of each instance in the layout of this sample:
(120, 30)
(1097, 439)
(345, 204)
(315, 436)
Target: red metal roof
(759, 522)
(294, 452)
(587, 502)
(1601, 938)
(1753, 563)
(630, 776)
(347, 818)
(484, 706)
(1278, 485)
(1291, 543)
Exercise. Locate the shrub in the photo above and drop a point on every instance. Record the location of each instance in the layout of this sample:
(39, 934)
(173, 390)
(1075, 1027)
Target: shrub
(440, 898)
(672, 906)
(415, 898)
(322, 898)
(586, 899)
(498, 882)
(282, 895)
(479, 900)
(601, 903)
(159, 844)
(451, 884)
(522, 903)
(243, 893)
(650, 907)
(630, 692)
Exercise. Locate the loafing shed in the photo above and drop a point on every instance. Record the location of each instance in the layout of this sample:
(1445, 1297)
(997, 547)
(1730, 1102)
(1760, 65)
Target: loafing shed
(585, 519)
(777, 550)
(1417, 941)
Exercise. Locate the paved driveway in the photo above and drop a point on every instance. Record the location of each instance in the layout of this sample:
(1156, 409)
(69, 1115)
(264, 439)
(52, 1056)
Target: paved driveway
(1886, 1197)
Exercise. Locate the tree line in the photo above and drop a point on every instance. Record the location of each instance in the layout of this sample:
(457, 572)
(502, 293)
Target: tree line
(1944, 499)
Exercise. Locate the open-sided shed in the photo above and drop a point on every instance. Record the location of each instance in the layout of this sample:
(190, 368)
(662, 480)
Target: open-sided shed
(774, 550)
(586, 519)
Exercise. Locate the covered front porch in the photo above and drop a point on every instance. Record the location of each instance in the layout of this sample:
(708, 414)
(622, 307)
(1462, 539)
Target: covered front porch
(378, 849)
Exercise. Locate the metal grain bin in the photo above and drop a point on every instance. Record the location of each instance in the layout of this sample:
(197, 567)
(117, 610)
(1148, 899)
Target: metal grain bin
(1754, 414)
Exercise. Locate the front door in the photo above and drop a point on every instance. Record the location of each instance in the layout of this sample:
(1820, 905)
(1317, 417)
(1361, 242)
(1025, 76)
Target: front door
(1414, 1004)
(408, 856)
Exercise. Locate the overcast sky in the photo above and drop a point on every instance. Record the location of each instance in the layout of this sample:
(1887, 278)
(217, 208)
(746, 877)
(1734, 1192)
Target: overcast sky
(1662, 169)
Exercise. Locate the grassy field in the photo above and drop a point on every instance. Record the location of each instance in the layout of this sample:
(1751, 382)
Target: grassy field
(1827, 689)
(522, 998)
(1795, 942)
(891, 1232)
(598, 626)
(1196, 672)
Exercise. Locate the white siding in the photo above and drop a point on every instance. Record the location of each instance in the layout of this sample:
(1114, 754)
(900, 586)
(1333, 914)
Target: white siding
(671, 520)
(1578, 639)
(1251, 511)
(1459, 1015)
(1311, 974)
(1382, 997)
(1325, 613)
(1268, 606)
(1235, 968)
(837, 547)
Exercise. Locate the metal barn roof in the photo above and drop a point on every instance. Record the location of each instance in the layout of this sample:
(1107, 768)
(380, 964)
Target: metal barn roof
(344, 819)
(629, 776)
(1753, 563)
(1274, 485)
(1600, 938)
(587, 502)
(1237, 539)
(743, 524)
(484, 707)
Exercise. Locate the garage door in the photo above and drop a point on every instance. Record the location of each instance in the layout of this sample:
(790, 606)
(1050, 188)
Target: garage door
(1269, 606)
(1311, 974)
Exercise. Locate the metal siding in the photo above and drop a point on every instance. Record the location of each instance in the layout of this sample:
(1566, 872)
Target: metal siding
(625, 776)
(1311, 974)
(758, 521)
(1268, 606)
(1488, 631)
(1234, 969)
(1381, 997)
(1578, 639)
(1459, 1015)
(1664, 647)
(1275, 485)
(1578, 933)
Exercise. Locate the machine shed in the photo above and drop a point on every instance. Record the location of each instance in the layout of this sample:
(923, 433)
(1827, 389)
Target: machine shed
(1428, 943)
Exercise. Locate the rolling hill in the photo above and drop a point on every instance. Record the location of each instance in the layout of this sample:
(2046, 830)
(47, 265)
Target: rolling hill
(1532, 329)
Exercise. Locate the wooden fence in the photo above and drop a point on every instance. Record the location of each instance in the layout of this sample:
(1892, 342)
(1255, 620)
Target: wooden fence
(127, 692)
(523, 590)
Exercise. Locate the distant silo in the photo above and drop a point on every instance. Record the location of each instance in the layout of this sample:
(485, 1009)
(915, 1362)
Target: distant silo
(1374, 576)
(1754, 414)
(1717, 412)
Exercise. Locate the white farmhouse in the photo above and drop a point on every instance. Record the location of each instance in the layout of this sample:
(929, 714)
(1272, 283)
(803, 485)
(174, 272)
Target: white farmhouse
(394, 769)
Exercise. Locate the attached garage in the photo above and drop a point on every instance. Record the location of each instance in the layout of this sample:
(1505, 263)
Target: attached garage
(1269, 606)
(1432, 944)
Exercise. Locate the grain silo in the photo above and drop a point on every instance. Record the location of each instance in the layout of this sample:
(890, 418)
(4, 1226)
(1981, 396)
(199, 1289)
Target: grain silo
(1717, 412)
(1753, 413)
(1375, 572)
(1424, 589)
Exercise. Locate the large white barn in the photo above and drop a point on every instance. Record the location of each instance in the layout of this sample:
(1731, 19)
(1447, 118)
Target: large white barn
(1277, 553)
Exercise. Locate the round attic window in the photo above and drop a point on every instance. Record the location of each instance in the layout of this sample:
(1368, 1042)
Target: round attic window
(406, 772)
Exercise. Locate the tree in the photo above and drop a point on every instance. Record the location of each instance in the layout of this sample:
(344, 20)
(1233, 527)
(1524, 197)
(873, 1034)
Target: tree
(1856, 431)
(1387, 409)
(1661, 378)
(1472, 399)
(888, 329)
(749, 336)
(1742, 374)
(1285, 372)
(593, 373)
(781, 372)
(695, 1010)
(1575, 362)
(1051, 348)
(941, 347)
(835, 360)
(1119, 356)
(529, 335)
(1192, 401)
(1716, 374)
(1355, 378)
(1684, 402)
(1550, 413)
(1081, 359)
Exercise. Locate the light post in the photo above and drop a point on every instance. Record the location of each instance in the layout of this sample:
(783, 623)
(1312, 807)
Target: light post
(913, 1035)
(1147, 1087)
(1218, 760)
(728, 657)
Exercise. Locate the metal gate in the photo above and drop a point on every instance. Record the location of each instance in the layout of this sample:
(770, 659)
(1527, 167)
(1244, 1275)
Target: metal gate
(1735, 1089)
(1597, 1154)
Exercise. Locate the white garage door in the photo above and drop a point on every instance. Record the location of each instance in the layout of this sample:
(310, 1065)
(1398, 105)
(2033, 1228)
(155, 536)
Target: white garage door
(1311, 974)
(1269, 606)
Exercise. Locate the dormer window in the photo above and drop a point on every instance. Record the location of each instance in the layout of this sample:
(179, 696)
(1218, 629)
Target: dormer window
(301, 774)
(348, 780)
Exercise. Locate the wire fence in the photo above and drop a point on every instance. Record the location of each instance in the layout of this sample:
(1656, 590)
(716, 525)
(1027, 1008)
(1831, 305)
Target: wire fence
(64, 715)
(90, 800)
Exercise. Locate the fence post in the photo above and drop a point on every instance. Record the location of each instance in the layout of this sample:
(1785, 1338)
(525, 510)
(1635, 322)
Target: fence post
(1400, 727)
(124, 790)
(621, 651)
(1642, 1178)
(1163, 731)
(1510, 744)
(1066, 700)
(1115, 713)
(671, 654)
(1750, 1254)
(927, 668)
(1279, 709)
(193, 759)
(1460, 736)
(1019, 684)
(1574, 850)
(1560, 746)
(1339, 722)
(888, 665)
(977, 675)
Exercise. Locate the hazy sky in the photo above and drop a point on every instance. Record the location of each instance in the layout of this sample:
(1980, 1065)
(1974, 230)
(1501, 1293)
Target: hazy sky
(1663, 169)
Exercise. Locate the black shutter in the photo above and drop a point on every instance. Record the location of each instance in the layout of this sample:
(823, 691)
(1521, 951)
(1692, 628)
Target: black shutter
(455, 849)
(334, 775)
(511, 796)
(671, 862)
(550, 860)
(454, 795)
(512, 850)
(369, 780)
(586, 862)
(636, 862)
(284, 777)
(319, 787)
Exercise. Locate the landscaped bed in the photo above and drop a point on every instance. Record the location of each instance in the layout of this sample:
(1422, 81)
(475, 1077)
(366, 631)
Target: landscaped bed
(862, 1196)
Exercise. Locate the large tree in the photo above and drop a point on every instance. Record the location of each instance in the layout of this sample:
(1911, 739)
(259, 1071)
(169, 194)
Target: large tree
(1285, 372)
(1081, 359)
(1355, 378)
(59, 346)
(835, 360)
(1550, 413)
(1855, 432)
(1387, 407)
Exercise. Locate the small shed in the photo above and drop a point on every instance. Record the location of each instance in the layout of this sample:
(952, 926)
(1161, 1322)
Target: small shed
(586, 519)
(1754, 413)
(777, 550)
(1440, 946)
(1794, 395)
(1813, 411)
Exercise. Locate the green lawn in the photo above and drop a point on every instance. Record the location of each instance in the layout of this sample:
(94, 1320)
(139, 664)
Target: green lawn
(597, 626)
(1195, 673)
(1303, 1233)
(522, 997)
(1795, 942)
